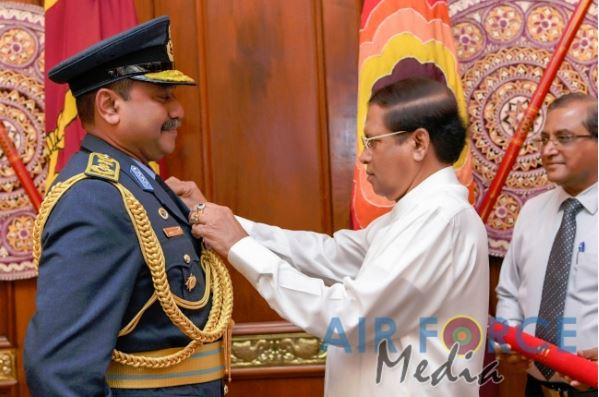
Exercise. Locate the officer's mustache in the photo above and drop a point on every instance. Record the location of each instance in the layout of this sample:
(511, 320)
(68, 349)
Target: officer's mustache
(171, 124)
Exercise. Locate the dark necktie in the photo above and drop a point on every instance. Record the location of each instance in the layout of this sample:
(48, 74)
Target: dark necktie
(555, 285)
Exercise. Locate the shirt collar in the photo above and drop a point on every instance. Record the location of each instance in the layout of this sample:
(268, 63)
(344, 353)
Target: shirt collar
(145, 167)
(588, 197)
(92, 143)
(442, 179)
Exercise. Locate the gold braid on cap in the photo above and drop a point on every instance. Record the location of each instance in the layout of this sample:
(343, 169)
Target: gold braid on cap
(217, 278)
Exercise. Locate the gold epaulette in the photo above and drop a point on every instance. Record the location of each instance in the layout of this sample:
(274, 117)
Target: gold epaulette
(102, 166)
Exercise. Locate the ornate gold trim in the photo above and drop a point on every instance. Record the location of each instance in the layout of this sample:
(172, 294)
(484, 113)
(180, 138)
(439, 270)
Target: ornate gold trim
(276, 350)
(8, 368)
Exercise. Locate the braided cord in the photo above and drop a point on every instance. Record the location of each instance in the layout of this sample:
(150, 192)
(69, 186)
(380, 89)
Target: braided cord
(197, 305)
(217, 278)
(50, 200)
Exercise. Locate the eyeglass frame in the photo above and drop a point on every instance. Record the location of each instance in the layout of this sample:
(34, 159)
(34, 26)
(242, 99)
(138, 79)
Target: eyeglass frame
(366, 142)
(559, 141)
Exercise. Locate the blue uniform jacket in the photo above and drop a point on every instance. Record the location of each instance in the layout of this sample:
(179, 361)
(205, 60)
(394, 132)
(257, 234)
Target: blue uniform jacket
(93, 280)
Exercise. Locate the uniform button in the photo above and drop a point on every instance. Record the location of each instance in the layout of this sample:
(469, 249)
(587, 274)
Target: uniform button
(186, 258)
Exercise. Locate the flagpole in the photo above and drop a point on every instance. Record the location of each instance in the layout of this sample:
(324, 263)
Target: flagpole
(486, 205)
(15, 161)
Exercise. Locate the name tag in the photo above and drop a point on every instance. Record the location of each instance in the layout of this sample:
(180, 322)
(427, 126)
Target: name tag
(173, 231)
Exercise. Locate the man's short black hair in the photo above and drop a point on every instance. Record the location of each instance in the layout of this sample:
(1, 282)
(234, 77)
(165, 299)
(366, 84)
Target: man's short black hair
(590, 120)
(424, 103)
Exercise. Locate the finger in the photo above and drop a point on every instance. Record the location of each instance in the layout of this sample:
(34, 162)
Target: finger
(502, 348)
(176, 186)
(510, 359)
(195, 217)
(497, 347)
(212, 206)
(199, 231)
(524, 358)
(188, 186)
(516, 359)
(172, 182)
(211, 244)
(591, 354)
(212, 213)
(198, 215)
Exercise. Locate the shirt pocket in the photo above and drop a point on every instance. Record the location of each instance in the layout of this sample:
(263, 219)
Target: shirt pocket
(183, 266)
(585, 278)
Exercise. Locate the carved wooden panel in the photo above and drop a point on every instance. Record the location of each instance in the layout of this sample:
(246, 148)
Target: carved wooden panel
(8, 367)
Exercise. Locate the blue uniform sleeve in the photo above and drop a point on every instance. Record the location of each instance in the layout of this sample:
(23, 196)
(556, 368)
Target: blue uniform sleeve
(90, 261)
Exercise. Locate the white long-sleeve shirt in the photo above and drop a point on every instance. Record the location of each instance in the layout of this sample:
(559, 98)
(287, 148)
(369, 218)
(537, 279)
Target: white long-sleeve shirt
(523, 270)
(426, 260)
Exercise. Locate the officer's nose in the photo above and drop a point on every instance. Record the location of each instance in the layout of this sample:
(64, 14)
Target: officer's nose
(176, 109)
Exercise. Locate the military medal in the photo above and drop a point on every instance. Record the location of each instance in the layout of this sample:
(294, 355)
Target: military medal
(191, 282)
(163, 214)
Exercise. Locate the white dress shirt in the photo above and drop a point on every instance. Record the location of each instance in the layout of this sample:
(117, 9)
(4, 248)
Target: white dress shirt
(523, 270)
(425, 258)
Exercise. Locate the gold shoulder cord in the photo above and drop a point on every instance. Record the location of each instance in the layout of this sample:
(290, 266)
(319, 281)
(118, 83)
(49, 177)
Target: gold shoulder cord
(217, 278)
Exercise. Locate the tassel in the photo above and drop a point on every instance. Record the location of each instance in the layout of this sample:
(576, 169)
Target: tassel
(228, 342)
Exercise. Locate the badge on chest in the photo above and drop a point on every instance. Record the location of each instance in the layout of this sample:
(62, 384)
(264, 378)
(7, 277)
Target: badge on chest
(172, 231)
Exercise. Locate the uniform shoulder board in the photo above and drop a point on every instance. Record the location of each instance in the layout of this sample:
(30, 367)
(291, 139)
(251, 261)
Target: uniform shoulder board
(102, 166)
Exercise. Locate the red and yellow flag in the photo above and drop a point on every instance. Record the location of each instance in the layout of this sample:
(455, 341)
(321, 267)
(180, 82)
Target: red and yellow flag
(401, 39)
(71, 26)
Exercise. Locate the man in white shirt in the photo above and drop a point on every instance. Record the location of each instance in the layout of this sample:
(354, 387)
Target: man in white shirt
(395, 296)
(527, 292)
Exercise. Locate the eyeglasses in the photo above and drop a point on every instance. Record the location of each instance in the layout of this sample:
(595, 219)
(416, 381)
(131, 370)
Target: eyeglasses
(369, 142)
(559, 141)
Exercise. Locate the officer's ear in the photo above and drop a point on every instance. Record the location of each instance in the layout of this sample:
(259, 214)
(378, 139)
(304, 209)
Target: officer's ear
(107, 105)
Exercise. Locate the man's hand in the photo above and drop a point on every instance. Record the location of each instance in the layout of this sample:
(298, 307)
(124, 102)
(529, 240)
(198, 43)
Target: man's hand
(505, 354)
(218, 227)
(591, 354)
(187, 191)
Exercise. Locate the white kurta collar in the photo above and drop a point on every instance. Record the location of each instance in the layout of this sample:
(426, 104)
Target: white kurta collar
(437, 181)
